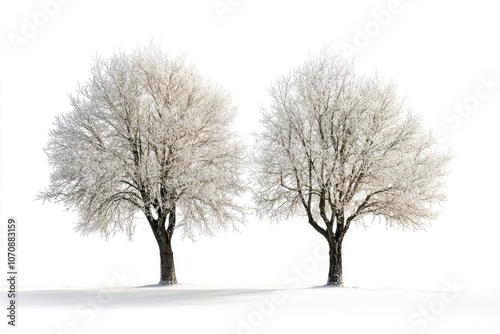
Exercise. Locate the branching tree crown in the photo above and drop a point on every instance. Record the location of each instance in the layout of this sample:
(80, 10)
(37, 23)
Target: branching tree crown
(147, 134)
(339, 147)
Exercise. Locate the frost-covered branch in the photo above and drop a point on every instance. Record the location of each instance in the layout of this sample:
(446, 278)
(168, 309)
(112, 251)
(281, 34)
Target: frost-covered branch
(146, 134)
(347, 147)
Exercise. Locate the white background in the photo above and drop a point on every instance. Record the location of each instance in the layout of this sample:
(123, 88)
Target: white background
(439, 53)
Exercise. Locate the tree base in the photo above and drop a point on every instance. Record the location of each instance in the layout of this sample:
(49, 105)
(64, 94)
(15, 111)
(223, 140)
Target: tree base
(168, 283)
(334, 285)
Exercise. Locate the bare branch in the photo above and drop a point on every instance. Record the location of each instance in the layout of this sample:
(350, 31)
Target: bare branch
(347, 146)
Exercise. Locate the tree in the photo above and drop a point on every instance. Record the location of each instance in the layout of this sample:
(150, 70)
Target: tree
(338, 148)
(147, 137)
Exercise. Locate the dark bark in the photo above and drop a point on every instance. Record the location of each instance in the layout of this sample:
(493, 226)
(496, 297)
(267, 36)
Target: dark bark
(335, 270)
(167, 266)
(163, 237)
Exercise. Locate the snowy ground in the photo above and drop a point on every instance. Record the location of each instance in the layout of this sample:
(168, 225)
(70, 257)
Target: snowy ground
(195, 309)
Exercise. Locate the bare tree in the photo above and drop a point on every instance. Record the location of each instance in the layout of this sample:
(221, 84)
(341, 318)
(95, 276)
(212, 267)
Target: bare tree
(147, 137)
(339, 148)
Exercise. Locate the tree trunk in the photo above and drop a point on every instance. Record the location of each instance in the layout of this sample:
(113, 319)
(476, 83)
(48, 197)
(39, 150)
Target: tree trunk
(167, 267)
(335, 271)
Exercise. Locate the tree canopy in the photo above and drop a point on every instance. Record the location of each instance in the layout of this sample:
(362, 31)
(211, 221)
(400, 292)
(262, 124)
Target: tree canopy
(339, 147)
(147, 135)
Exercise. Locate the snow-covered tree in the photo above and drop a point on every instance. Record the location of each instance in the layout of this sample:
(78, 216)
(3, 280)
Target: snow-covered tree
(147, 137)
(341, 148)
